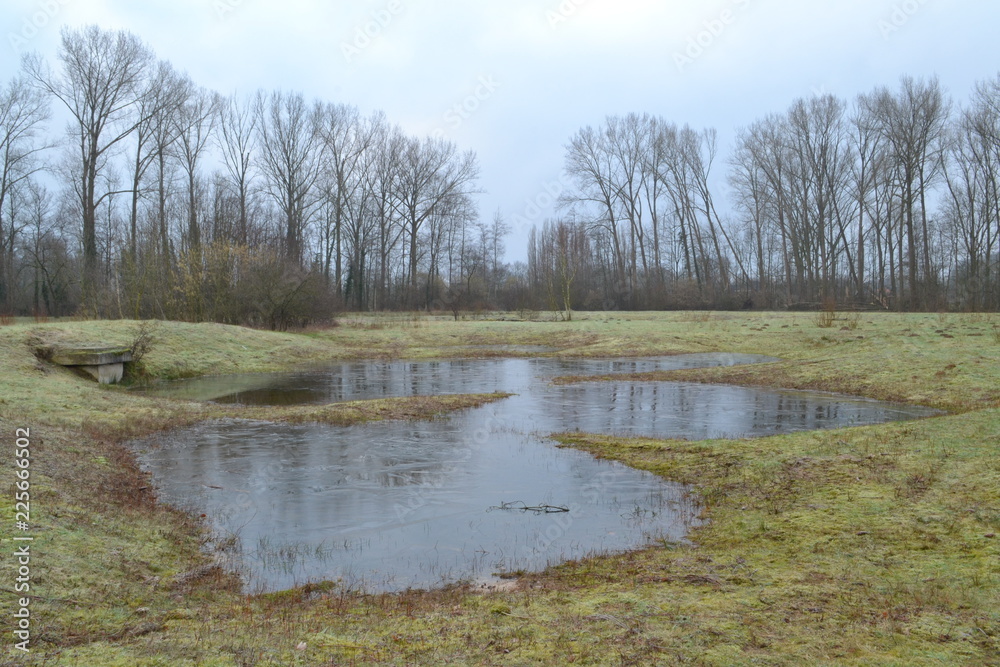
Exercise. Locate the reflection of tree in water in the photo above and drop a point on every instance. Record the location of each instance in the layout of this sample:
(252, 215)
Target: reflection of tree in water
(698, 412)
(406, 502)
(351, 381)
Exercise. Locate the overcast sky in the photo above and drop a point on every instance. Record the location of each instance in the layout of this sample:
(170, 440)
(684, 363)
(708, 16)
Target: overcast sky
(515, 79)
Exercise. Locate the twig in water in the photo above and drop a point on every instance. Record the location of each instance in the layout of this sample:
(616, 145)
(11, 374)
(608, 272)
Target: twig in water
(537, 509)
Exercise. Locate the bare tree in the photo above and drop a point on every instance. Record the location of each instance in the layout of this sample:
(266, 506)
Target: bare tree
(291, 161)
(47, 261)
(699, 151)
(101, 83)
(23, 111)
(559, 253)
(381, 175)
(589, 163)
(164, 134)
(674, 172)
(818, 135)
(236, 139)
(195, 121)
(496, 232)
(656, 193)
(164, 93)
(432, 172)
(869, 162)
(754, 198)
(913, 123)
(627, 142)
(345, 139)
(972, 210)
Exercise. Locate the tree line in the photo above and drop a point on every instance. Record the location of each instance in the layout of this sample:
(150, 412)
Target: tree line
(178, 202)
(887, 202)
(166, 200)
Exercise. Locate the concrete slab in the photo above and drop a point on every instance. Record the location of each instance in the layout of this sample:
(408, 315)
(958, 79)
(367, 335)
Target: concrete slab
(105, 373)
(105, 364)
(91, 356)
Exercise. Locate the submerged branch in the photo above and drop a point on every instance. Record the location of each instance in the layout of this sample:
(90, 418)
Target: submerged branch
(537, 509)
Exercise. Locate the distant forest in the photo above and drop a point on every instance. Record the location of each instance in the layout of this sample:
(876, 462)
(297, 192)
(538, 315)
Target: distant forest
(166, 200)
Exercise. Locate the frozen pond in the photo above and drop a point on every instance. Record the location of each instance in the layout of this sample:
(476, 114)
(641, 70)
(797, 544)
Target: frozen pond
(363, 380)
(397, 505)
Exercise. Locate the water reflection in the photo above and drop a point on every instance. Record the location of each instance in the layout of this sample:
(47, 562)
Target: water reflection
(395, 505)
(364, 380)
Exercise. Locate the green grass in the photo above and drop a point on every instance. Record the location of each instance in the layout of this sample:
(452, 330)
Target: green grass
(873, 545)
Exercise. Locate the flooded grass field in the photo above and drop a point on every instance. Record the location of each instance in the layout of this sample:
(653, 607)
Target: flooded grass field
(399, 505)
(875, 544)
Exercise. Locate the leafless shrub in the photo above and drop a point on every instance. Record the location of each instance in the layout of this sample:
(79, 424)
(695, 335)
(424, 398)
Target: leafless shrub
(828, 315)
(143, 337)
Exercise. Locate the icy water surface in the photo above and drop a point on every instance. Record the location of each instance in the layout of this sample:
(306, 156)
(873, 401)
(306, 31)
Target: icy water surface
(397, 505)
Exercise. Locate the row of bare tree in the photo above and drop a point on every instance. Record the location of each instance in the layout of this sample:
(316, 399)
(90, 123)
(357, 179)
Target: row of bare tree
(890, 201)
(168, 194)
(164, 199)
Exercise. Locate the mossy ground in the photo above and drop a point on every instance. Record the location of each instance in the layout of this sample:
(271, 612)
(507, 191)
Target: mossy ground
(862, 545)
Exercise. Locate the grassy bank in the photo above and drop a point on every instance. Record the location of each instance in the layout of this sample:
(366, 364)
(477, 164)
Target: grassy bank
(863, 545)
